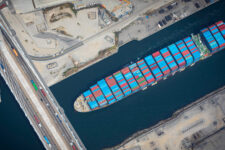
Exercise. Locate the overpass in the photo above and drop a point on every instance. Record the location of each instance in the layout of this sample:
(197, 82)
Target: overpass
(36, 100)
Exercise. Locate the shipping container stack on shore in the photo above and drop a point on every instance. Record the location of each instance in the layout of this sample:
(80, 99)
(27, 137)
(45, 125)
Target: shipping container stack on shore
(193, 48)
(153, 68)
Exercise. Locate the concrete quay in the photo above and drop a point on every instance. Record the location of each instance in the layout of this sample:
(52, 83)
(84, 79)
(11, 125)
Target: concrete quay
(188, 128)
(89, 46)
(43, 111)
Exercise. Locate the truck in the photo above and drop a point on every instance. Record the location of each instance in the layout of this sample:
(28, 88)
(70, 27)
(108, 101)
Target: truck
(36, 119)
(34, 85)
(58, 118)
(2, 67)
(47, 141)
(43, 92)
(74, 147)
(15, 52)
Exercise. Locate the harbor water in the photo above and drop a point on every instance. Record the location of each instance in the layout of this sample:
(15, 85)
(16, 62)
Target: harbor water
(110, 126)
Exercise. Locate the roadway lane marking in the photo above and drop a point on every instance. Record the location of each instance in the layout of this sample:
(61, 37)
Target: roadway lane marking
(32, 96)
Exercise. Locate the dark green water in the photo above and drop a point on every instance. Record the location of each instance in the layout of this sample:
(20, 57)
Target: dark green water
(110, 126)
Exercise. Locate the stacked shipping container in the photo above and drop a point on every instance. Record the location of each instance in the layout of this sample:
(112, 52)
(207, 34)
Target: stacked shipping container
(161, 63)
(177, 55)
(122, 82)
(184, 51)
(138, 75)
(90, 99)
(221, 27)
(146, 72)
(106, 91)
(114, 87)
(130, 79)
(169, 59)
(211, 43)
(154, 67)
(193, 48)
(98, 95)
(217, 35)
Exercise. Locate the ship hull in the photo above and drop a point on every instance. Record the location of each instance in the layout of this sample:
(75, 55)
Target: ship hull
(152, 69)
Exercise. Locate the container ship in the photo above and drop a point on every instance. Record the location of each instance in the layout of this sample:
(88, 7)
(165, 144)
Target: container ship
(153, 68)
